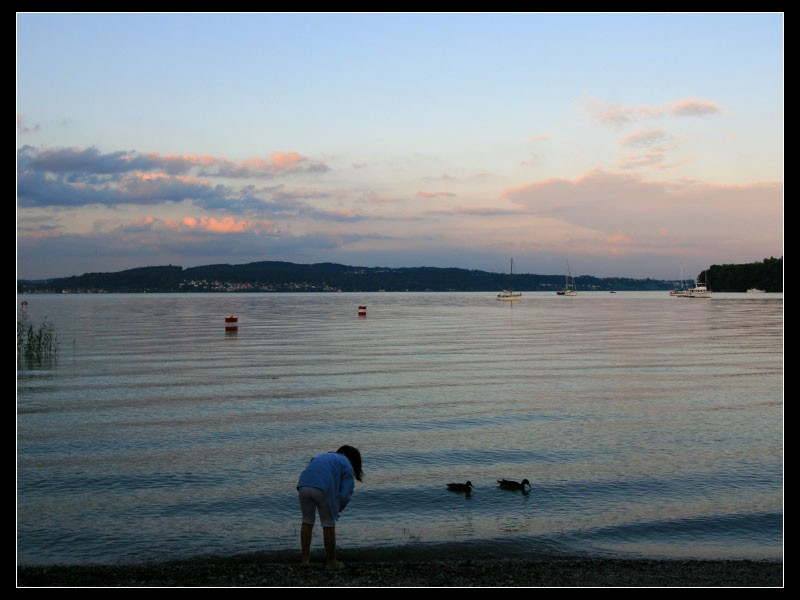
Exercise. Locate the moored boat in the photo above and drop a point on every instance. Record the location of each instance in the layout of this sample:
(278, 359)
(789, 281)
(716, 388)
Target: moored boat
(569, 285)
(509, 295)
(700, 290)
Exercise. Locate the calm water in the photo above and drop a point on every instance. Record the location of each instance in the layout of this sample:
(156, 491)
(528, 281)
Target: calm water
(648, 425)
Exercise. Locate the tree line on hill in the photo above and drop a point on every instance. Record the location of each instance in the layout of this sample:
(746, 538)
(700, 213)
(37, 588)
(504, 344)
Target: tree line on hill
(766, 275)
(276, 276)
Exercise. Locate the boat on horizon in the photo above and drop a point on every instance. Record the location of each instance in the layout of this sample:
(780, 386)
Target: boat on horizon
(569, 285)
(681, 290)
(700, 290)
(509, 295)
(756, 291)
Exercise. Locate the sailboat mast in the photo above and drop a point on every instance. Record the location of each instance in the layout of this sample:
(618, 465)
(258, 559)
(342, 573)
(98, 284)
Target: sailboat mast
(566, 278)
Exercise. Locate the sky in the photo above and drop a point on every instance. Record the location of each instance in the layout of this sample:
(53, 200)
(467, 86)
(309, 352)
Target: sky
(631, 145)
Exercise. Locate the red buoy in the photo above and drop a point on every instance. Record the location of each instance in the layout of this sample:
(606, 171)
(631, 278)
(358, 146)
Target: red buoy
(231, 323)
(362, 311)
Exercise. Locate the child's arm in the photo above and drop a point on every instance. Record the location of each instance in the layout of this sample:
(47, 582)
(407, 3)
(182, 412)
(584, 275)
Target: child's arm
(346, 489)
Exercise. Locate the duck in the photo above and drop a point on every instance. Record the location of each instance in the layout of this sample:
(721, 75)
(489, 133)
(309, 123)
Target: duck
(460, 487)
(510, 484)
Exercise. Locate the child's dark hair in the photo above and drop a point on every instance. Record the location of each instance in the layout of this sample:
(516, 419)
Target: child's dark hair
(354, 456)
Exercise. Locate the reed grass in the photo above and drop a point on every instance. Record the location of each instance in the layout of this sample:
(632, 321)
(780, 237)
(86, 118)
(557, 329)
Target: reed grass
(35, 344)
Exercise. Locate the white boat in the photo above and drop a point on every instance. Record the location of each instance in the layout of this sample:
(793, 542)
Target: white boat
(569, 285)
(681, 290)
(755, 291)
(700, 290)
(510, 295)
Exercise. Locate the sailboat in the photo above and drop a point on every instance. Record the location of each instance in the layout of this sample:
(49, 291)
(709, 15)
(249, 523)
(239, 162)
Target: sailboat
(700, 290)
(510, 295)
(681, 291)
(569, 285)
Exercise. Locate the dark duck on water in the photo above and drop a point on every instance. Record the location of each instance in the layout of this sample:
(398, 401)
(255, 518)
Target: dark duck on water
(460, 487)
(510, 484)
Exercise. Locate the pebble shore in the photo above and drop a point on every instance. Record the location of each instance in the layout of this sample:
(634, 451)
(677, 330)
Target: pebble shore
(578, 572)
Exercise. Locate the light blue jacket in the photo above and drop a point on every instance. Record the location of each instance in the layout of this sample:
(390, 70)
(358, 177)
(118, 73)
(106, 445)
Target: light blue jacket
(333, 474)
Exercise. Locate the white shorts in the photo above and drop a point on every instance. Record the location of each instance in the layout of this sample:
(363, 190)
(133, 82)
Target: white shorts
(312, 500)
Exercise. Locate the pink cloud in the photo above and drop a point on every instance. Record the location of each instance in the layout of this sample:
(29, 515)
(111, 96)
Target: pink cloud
(227, 224)
(287, 160)
(147, 177)
(181, 161)
(618, 238)
(277, 162)
(630, 210)
(217, 225)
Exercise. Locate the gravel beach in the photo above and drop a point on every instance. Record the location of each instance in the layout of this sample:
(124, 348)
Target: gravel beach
(578, 572)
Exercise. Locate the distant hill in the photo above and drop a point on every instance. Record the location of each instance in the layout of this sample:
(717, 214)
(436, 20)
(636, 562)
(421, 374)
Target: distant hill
(766, 275)
(275, 276)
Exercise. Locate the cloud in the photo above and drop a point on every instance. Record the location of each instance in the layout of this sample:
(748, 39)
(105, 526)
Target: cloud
(435, 195)
(658, 215)
(654, 158)
(617, 116)
(22, 128)
(644, 138)
(478, 211)
(694, 108)
(85, 176)
(87, 162)
(217, 225)
(279, 162)
(654, 152)
(187, 242)
(39, 189)
(533, 160)
(376, 199)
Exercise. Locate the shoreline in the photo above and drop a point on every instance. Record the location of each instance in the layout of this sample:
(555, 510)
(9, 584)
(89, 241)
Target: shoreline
(554, 572)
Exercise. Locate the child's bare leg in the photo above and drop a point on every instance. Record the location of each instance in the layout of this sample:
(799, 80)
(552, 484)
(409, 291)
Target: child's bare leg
(329, 538)
(305, 542)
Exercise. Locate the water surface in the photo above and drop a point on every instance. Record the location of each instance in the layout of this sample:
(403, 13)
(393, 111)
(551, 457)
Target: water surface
(649, 426)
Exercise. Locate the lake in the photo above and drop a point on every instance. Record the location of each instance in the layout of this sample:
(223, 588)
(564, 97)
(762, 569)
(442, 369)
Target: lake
(649, 426)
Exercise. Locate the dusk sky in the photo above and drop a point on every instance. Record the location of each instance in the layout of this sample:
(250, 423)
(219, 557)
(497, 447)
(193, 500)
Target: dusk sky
(629, 144)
